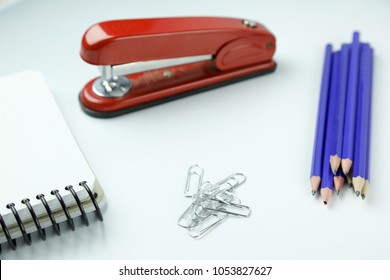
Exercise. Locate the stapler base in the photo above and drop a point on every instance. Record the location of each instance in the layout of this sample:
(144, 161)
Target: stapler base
(150, 91)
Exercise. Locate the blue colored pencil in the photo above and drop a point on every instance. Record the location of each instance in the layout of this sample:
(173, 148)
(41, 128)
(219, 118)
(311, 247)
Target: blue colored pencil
(368, 170)
(319, 141)
(350, 110)
(327, 174)
(335, 158)
(361, 145)
(361, 155)
(333, 109)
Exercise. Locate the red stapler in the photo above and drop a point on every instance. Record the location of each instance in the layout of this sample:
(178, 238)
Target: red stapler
(144, 62)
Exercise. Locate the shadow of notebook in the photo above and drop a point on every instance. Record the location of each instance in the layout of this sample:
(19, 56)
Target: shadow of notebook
(44, 178)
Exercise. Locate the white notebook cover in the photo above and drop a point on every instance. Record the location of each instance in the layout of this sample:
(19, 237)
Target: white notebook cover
(37, 151)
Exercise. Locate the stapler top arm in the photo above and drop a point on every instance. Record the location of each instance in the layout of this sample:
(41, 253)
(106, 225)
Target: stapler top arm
(237, 42)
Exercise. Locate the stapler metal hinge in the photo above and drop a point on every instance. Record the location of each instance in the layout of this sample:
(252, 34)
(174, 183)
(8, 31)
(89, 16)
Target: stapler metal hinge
(113, 82)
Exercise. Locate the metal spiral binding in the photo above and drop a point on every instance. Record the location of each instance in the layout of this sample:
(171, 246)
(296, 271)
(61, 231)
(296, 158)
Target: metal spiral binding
(26, 236)
(11, 242)
(81, 208)
(92, 197)
(56, 227)
(67, 214)
(41, 231)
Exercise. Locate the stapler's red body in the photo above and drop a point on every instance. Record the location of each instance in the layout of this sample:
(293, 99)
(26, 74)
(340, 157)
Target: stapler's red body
(145, 62)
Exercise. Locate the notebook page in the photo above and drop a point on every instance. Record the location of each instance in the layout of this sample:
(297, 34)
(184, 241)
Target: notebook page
(37, 150)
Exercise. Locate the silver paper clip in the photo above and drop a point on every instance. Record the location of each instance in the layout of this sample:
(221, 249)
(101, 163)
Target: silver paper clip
(211, 203)
(228, 197)
(229, 208)
(194, 180)
(209, 223)
(231, 182)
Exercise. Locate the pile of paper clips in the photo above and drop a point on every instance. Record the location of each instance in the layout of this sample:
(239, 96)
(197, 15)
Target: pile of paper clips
(211, 203)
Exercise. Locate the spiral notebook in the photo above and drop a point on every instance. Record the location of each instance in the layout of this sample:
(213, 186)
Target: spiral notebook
(39, 161)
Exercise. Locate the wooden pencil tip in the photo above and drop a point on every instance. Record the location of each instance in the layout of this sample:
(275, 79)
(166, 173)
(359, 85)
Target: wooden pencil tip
(365, 189)
(346, 165)
(338, 183)
(315, 183)
(338, 192)
(358, 183)
(357, 193)
(334, 163)
(326, 193)
(313, 193)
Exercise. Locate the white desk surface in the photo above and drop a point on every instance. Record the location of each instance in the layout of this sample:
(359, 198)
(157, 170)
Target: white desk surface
(263, 127)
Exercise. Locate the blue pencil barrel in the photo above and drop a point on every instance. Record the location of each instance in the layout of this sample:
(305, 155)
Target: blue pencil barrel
(363, 118)
(350, 112)
(343, 81)
(333, 110)
(327, 174)
(319, 141)
(370, 66)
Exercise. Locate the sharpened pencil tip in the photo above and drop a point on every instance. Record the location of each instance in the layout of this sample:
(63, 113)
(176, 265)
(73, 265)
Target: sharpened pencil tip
(326, 194)
(338, 192)
(363, 196)
(346, 165)
(350, 185)
(313, 193)
(357, 193)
